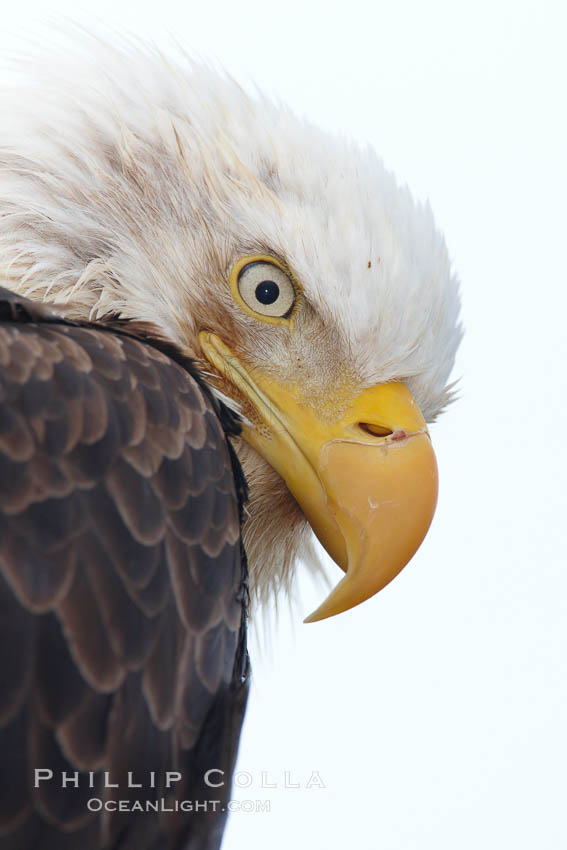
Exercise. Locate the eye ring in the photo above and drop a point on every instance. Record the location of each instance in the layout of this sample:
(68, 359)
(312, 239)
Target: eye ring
(265, 289)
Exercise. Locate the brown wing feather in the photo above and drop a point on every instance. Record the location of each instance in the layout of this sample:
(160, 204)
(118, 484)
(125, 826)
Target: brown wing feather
(122, 587)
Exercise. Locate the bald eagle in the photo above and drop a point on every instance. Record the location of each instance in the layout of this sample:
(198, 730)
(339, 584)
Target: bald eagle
(220, 329)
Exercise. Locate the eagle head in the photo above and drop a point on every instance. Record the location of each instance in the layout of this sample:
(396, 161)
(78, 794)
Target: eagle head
(316, 295)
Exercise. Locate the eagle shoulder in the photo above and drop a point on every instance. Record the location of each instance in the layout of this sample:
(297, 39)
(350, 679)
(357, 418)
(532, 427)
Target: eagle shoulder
(123, 587)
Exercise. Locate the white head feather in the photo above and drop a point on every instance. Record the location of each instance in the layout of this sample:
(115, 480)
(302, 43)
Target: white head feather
(131, 185)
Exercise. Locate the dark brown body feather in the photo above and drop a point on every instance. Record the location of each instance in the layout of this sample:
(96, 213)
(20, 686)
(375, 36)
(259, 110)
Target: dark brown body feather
(122, 588)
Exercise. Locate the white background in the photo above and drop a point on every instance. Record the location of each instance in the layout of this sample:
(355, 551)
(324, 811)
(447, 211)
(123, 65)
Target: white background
(434, 713)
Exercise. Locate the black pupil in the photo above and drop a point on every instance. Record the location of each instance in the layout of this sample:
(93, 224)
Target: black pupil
(267, 292)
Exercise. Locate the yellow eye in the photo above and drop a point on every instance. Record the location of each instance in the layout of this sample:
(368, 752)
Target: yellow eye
(263, 288)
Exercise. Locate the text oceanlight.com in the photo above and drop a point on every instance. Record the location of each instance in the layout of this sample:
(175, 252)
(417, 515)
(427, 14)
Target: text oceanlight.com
(96, 804)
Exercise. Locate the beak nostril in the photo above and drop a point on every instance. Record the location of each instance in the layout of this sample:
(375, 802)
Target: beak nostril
(375, 430)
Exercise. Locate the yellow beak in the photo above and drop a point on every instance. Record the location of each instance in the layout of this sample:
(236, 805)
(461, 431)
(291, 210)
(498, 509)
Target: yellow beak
(366, 481)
